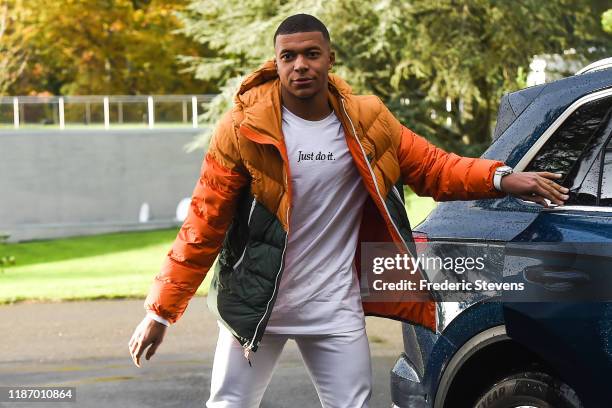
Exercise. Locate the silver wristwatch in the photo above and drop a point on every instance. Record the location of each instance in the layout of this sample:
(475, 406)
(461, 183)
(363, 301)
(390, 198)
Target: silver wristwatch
(499, 173)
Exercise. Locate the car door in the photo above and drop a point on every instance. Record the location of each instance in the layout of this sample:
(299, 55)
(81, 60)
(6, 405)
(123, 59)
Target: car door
(564, 258)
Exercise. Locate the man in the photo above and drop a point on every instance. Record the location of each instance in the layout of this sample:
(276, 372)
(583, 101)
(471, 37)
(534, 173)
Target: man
(297, 175)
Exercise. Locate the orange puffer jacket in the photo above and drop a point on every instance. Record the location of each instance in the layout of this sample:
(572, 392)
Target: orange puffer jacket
(241, 205)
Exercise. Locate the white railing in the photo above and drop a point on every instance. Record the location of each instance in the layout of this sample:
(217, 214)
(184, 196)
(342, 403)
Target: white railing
(99, 110)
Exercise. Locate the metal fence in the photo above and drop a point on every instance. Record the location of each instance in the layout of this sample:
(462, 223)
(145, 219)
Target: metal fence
(101, 111)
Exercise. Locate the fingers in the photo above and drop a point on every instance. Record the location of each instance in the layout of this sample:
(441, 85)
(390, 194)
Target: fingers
(549, 175)
(136, 348)
(151, 351)
(536, 199)
(137, 344)
(551, 190)
(541, 191)
(548, 178)
(538, 187)
(543, 185)
(138, 353)
(148, 333)
(554, 185)
(139, 348)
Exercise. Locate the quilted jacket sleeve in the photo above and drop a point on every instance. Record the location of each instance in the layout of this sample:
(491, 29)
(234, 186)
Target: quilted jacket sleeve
(213, 204)
(433, 172)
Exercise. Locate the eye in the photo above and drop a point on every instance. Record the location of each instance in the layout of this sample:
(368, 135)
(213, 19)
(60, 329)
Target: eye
(286, 57)
(313, 54)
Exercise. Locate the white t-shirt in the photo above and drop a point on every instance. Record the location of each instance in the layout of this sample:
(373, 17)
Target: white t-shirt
(319, 290)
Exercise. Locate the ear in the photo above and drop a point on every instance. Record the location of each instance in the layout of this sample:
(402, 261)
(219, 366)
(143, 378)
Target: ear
(332, 59)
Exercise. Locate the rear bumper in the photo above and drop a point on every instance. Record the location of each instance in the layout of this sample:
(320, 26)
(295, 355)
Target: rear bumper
(407, 390)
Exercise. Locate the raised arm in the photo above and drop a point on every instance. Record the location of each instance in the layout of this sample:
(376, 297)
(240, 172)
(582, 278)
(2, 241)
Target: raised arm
(430, 171)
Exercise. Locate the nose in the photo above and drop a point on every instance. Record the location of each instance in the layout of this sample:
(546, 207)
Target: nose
(300, 64)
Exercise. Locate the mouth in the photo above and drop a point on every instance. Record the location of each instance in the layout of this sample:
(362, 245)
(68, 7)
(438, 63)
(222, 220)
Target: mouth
(303, 81)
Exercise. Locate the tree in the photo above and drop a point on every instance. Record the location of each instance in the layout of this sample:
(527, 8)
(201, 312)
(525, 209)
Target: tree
(420, 56)
(13, 56)
(106, 47)
(606, 21)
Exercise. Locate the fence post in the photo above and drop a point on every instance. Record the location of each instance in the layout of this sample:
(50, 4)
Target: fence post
(61, 113)
(106, 113)
(87, 113)
(194, 111)
(16, 112)
(120, 111)
(151, 112)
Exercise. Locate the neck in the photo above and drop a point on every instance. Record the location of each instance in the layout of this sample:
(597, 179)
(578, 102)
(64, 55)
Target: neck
(314, 108)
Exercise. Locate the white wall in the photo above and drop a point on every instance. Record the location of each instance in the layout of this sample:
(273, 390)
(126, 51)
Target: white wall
(60, 183)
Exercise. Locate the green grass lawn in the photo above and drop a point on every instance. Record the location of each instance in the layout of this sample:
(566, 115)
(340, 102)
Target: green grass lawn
(119, 265)
(418, 207)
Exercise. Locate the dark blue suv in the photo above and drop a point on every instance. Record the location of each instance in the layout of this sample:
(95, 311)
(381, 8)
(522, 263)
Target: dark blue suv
(552, 348)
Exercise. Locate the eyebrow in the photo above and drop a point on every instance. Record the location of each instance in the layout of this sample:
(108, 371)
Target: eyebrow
(315, 47)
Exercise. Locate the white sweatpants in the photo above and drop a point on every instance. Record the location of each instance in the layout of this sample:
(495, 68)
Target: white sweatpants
(338, 364)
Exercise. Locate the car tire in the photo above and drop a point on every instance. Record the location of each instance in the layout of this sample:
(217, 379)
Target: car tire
(529, 389)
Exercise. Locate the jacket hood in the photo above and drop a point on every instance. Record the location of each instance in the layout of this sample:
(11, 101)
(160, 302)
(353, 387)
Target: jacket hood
(259, 99)
(260, 83)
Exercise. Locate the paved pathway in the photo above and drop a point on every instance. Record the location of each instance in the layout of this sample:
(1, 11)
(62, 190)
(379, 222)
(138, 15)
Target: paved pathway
(84, 344)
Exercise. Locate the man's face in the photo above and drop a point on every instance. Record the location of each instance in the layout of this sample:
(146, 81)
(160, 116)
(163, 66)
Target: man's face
(302, 62)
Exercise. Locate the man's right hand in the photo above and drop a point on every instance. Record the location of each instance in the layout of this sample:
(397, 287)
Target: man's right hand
(148, 332)
(535, 186)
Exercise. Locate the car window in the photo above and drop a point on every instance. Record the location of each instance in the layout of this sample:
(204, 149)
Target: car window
(574, 151)
(588, 192)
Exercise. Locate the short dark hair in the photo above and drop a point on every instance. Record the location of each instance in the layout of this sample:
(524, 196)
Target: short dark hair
(301, 23)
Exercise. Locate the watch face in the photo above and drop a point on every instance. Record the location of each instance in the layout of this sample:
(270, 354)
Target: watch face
(504, 170)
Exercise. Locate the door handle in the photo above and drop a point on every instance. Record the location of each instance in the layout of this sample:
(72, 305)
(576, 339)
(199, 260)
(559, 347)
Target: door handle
(556, 278)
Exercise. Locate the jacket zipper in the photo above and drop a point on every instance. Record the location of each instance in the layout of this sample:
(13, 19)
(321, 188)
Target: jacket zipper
(397, 194)
(378, 191)
(249, 346)
(372, 175)
(248, 224)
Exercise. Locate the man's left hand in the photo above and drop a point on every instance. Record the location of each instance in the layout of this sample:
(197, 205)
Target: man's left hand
(535, 186)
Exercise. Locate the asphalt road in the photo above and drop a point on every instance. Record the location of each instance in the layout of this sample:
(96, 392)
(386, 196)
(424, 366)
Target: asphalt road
(85, 345)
